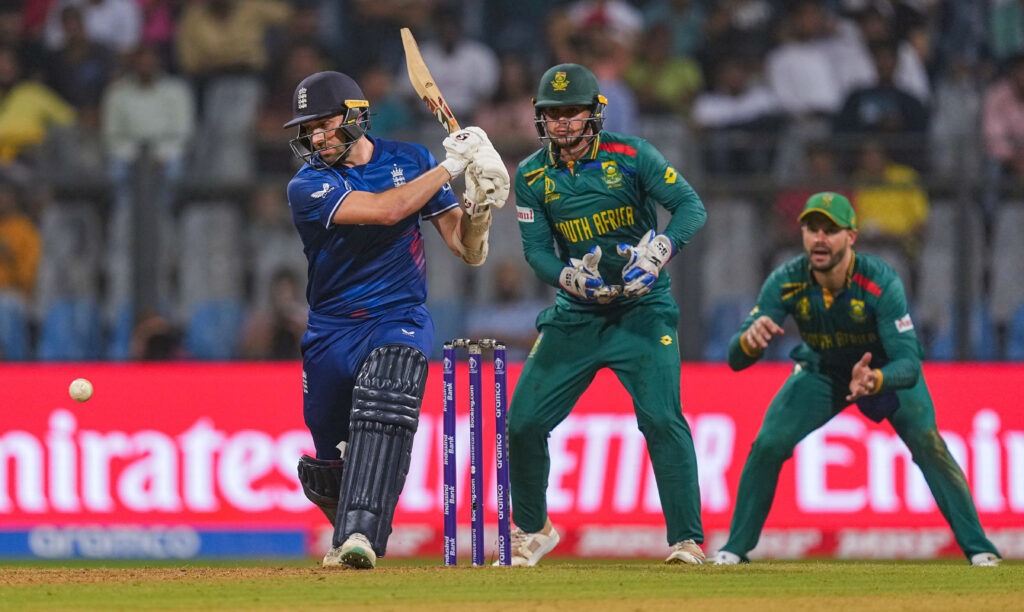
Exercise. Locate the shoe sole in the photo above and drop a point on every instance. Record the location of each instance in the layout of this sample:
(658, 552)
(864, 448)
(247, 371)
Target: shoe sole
(685, 558)
(357, 559)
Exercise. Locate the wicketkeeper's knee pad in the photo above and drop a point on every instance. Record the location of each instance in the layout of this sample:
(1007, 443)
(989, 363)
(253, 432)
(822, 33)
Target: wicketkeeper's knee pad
(385, 414)
(321, 482)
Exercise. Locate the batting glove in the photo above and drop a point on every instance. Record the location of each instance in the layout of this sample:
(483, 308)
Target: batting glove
(460, 147)
(489, 176)
(643, 263)
(582, 279)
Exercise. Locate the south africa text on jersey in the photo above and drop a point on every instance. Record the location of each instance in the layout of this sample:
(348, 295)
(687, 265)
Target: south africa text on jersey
(576, 230)
(838, 339)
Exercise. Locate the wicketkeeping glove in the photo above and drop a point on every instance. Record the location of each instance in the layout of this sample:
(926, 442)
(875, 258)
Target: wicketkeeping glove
(644, 262)
(582, 279)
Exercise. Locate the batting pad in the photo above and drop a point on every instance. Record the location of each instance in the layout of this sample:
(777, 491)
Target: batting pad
(321, 482)
(385, 414)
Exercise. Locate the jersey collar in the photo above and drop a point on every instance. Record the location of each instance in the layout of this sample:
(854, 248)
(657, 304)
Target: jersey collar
(849, 271)
(556, 161)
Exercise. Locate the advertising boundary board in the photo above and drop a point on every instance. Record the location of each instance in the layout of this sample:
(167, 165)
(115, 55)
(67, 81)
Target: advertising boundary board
(189, 460)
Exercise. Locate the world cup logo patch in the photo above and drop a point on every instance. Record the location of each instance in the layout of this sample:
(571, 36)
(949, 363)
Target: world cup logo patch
(803, 309)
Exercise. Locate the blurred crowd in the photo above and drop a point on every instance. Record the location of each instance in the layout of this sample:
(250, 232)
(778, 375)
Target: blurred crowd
(143, 163)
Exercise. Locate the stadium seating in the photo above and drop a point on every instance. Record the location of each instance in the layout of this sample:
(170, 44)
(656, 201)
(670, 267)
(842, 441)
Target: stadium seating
(731, 270)
(1015, 342)
(67, 301)
(212, 274)
(212, 332)
(1005, 258)
(14, 340)
(936, 291)
(71, 330)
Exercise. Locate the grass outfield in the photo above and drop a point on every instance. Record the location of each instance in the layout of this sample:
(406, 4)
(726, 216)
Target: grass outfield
(557, 584)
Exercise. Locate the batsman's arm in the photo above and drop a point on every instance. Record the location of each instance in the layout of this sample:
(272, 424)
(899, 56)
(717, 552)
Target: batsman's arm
(466, 235)
(896, 331)
(391, 206)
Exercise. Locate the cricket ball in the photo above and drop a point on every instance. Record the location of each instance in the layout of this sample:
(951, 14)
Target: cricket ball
(80, 390)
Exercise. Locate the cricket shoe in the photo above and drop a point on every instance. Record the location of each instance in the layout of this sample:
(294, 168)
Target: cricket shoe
(528, 548)
(356, 552)
(687, 552)
(724, 557)
(985, 559)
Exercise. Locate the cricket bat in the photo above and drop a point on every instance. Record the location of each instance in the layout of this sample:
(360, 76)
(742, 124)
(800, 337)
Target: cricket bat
(423, 83)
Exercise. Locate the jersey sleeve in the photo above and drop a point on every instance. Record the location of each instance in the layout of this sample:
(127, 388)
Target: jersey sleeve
(769, 303)
(896, 332)
(535, 230)
(315, 202)
(442, 201)
(667, 187)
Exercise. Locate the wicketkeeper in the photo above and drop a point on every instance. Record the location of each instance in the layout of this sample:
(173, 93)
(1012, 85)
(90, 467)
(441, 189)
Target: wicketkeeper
(587, 206)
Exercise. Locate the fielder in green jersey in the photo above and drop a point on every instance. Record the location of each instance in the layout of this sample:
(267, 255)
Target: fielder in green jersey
(859, 346)
(587, 205)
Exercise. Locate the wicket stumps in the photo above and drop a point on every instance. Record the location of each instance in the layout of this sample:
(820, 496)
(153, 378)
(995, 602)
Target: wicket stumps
(476, 437)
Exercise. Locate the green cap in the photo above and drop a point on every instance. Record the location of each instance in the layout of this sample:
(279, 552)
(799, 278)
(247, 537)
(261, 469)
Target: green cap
(834, 206)
(567, 85)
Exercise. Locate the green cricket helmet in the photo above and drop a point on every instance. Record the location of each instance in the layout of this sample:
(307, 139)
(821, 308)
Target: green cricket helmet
(569, 85)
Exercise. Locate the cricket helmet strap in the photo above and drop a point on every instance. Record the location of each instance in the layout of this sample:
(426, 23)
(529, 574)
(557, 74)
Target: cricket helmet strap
(569, 85)
(322, 95)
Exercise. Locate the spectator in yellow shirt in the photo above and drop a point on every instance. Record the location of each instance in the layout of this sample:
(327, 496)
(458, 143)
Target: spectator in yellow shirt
(28, 109)
(891, 204)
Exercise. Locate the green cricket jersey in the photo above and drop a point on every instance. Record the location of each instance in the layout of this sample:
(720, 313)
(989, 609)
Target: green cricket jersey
(869, 315)
(605, 198)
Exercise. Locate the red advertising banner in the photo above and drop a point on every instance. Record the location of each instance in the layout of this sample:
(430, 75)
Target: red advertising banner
(214, 447)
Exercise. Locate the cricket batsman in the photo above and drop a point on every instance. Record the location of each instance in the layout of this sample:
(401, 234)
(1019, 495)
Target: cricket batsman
(859, 346)
(358, 203)
(587, 207)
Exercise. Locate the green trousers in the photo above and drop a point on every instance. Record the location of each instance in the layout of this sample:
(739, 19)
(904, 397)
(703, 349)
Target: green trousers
(639, 345)
(806, 402)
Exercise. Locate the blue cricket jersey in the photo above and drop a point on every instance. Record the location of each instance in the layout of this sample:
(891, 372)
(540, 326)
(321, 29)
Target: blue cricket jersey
(361, 271)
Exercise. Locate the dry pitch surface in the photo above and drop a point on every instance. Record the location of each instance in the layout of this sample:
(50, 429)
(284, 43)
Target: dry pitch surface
(562, 585)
